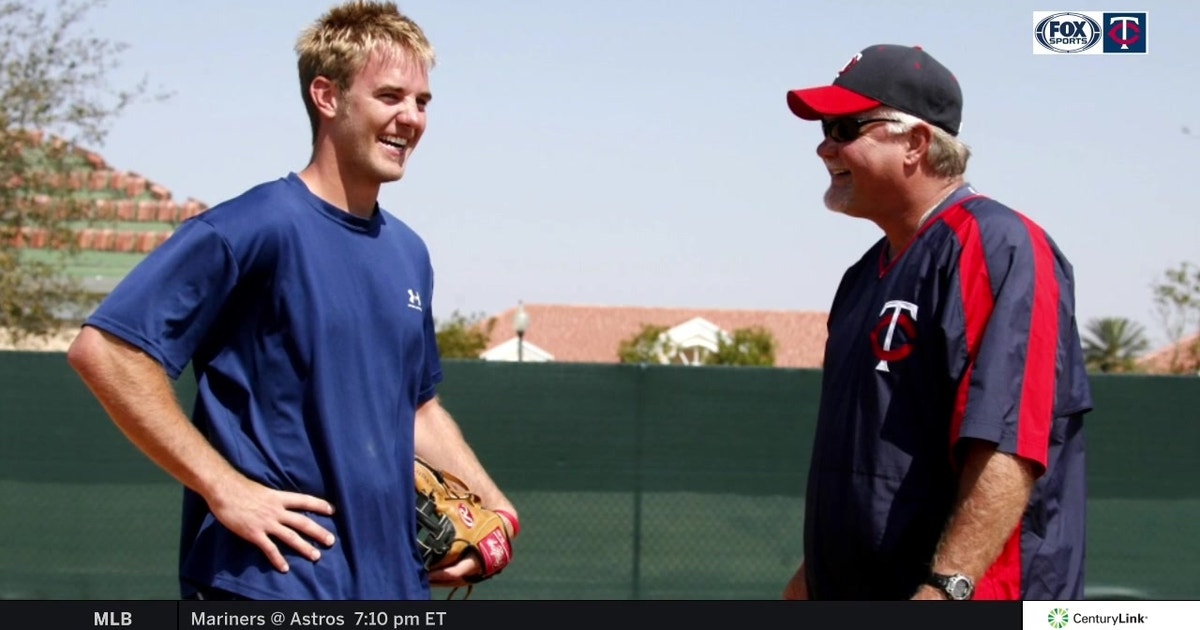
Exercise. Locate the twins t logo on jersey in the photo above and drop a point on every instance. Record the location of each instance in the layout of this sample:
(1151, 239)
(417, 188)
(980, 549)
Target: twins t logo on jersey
(892, 338)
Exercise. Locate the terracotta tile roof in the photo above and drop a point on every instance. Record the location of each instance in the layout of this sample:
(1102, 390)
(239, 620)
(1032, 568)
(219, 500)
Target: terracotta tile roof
(122, 201)
(1175, 358)
(591, 334)
(130, 215)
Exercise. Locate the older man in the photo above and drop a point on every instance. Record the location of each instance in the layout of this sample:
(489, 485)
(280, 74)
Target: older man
(948, 461)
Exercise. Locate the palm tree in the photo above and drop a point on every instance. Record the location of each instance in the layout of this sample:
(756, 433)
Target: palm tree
(1112, 344)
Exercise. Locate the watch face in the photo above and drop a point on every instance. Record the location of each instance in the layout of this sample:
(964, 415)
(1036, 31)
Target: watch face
(959, 588)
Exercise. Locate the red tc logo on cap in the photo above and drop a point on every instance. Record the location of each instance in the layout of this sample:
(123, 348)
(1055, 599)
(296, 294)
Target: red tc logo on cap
(849, 64)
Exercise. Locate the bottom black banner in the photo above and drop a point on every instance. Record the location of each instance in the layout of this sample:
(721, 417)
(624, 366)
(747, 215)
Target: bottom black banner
(189, 615)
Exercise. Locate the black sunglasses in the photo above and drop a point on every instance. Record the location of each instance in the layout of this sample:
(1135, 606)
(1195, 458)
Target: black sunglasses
(848, 129)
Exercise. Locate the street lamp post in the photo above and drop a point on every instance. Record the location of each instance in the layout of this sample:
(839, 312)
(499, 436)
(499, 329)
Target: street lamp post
(521, 324)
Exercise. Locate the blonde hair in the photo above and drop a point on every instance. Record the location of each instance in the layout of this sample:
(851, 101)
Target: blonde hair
(337, 44)
(947, 155)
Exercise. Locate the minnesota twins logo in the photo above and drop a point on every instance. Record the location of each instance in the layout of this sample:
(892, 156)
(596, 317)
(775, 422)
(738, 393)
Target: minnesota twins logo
(898, 328)
(850, 64)
(1124, 31)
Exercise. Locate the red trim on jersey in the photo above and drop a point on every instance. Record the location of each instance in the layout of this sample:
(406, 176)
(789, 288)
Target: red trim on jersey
(885, 264)
(977, 302)
(1037, 389)
(1002, 580)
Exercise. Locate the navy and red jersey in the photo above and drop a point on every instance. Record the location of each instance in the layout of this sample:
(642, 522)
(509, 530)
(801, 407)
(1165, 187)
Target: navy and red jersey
(969, 333)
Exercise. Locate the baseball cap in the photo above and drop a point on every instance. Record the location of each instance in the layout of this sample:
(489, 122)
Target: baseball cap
(903, 77)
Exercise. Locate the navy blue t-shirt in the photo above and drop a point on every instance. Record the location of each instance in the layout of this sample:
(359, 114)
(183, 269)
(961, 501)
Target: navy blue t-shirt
(969, 333)
(311, 337)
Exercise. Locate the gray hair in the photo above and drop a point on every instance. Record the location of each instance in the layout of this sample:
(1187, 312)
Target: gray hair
(947, 155)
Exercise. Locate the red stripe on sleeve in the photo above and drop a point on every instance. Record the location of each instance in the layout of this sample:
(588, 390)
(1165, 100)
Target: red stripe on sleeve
(1037, 390)
(1002, 581)
(976, 289)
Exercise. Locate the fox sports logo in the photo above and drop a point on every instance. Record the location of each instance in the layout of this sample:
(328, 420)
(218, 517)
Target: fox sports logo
(1067, 32)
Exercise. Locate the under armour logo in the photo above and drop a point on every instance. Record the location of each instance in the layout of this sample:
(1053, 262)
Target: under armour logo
(414, 300)
(891, 347)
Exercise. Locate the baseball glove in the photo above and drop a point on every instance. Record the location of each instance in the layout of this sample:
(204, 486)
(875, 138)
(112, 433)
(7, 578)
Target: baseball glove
(452, 522)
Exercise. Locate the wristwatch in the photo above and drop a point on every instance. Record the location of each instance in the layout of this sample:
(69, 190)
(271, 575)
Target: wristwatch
(957, 587)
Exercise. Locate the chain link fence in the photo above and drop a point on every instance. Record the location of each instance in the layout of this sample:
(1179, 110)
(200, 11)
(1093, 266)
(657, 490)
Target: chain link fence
(633, 482)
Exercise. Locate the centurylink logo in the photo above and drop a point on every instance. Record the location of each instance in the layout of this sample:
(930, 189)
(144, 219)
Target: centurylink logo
(1058, 618)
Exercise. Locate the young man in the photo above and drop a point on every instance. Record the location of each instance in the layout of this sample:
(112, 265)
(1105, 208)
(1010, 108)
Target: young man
(304, 309)
(948, 461)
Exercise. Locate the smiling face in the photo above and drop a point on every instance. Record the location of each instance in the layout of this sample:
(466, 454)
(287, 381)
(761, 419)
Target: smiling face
(863, 170)
(381, 117)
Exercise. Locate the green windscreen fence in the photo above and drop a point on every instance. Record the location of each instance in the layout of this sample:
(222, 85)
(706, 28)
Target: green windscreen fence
(633, 482)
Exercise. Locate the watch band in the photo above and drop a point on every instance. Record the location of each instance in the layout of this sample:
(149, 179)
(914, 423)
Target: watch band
(957, 587)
